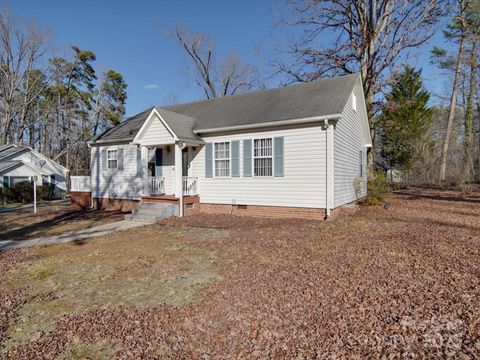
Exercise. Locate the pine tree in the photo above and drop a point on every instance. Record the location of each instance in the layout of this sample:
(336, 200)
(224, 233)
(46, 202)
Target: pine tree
(406, 119)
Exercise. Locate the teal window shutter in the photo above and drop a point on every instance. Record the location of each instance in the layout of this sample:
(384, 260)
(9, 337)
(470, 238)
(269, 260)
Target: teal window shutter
(139, 163)
(104, 159)
(278, 156)
(158, 162)
(247, 157)
(6, 182)
(208, 160)
(235, 158)
(120, 159)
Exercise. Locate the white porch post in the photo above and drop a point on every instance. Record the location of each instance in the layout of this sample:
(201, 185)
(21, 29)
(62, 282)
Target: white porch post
(178, 186)
(144, 152)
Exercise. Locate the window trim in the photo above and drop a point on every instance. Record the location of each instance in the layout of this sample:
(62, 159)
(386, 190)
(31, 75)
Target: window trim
(263, 157)
(116, 159)
(214, 158)
(354, 102)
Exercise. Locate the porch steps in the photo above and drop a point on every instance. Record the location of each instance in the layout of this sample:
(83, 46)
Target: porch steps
(151, 212)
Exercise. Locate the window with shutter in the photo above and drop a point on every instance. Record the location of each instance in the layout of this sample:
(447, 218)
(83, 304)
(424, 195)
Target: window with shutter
(111, 159)
(222, 159)
(262, 157)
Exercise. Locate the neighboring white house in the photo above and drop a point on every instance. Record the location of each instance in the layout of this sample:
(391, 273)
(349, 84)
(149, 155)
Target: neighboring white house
(21, 163)
(296, 151)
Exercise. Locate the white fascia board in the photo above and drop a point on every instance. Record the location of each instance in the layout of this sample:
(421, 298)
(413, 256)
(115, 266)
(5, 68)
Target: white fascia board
(23, 163)
(49, 160)
(271, 123)
(147, 121)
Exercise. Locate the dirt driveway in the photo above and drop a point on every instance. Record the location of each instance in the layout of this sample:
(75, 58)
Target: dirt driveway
(402, 282)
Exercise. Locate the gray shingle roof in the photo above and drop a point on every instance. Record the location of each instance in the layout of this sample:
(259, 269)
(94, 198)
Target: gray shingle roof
(5, 165)
(181, 125)
(5, 147)
(317, 98)
(11, 151)
(126, 130)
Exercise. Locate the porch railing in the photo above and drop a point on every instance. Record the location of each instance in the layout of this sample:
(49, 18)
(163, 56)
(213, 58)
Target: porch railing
(80, 183)
(155, 185)
(190, 185)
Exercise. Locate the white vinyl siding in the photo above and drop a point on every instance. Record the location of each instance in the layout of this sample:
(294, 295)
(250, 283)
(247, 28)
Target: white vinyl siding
(303, 183)
(349, 139)
(262, 157)
(155, 133)
(115, 184)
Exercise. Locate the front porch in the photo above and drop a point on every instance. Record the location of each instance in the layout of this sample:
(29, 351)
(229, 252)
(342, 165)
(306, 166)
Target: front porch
(167, 176)
(164, 159)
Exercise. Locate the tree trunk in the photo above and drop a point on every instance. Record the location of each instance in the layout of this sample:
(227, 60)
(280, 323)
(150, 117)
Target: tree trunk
(451, 113)
(468, 139)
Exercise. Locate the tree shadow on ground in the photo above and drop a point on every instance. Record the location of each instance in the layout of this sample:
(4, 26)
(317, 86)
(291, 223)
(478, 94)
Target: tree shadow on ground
(34, 230)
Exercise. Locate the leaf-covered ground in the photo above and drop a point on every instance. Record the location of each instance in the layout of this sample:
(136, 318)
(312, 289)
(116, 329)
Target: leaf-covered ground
(402, 282)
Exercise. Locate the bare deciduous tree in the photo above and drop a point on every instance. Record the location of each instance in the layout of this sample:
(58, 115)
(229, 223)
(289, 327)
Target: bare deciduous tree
(346, 36)
(216, 78)
(22, 46)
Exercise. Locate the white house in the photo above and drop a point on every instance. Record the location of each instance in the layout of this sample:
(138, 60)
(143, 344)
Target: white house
(21, 163)
(295, 151)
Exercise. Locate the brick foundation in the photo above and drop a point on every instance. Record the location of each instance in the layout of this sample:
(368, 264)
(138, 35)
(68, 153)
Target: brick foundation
(123, 205)
(80, 199)
(276, 212)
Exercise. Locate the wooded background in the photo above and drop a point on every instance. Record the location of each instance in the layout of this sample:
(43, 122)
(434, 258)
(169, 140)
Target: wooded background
(56, 104)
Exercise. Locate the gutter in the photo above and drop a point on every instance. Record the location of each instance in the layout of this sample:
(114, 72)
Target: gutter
(305, 120)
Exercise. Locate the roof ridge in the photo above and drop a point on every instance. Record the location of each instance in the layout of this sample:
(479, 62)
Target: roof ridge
(305, 83)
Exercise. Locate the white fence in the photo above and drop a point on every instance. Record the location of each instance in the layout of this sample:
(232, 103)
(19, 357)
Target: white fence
(80, 183)
(190, 185)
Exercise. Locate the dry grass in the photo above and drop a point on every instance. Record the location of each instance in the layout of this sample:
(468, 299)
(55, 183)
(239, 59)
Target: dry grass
(402, 282)
(51, 221)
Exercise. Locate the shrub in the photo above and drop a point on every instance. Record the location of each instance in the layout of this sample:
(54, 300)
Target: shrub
(45, 192)
(378, 188)
(23, 191)
(6, 195)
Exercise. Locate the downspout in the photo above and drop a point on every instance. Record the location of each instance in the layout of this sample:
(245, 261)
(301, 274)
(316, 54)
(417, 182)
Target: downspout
(327, 172)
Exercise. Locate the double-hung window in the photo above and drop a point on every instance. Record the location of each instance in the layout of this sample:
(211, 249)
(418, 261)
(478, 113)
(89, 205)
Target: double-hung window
(112, 159)
(222, 159)
(263, 157)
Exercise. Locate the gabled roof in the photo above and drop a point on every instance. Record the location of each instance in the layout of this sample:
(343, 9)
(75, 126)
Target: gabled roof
(321, 98)
(5, 147)
(7, 165)
(183, 126)
(8, 152)
(12, 150)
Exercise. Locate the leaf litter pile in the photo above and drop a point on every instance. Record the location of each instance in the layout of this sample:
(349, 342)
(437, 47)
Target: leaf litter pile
(402, 282)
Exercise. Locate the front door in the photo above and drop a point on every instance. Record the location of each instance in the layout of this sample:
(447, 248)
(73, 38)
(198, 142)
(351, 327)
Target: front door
(155, 162)
(185, 162)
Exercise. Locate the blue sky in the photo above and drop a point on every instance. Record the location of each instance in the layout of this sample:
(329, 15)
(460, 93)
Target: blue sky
(124, 36)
